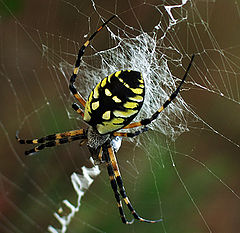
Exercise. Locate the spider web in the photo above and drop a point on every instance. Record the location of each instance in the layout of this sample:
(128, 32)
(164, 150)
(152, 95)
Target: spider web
(184, 169)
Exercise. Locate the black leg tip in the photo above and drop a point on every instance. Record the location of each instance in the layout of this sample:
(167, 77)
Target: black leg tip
(29, 152)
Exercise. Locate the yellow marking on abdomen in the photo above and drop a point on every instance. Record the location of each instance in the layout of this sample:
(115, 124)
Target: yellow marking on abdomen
(130, 105)
(109, 77)
(137, 98)
(137, 90)
(124, 114)
(95, 93)
(103, 83)
(141, 80)
(107, 127)
(90, 97)
(126, 85)
(95, 105)
(117, 120)
(88, 110)
(106, 115)
(117, 73)
(107, 92)
(86, 117)
(116, 99)
(121, 80)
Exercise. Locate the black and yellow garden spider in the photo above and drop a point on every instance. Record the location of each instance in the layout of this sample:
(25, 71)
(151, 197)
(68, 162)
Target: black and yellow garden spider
(111, 106)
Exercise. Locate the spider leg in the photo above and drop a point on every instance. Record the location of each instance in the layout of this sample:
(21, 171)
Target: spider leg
(132, 134)
(72, 87)
(77, 108)
(116, 176)
(51, 137)
(52, 140)
(114, 185)
(54, 143)
(171, 98)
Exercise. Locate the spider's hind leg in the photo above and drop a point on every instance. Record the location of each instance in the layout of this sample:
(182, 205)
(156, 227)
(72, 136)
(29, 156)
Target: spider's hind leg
(116, 180)
(114, 186)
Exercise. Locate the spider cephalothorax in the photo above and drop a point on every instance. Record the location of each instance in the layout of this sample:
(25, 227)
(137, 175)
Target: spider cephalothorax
(111, 106)
(95, 141)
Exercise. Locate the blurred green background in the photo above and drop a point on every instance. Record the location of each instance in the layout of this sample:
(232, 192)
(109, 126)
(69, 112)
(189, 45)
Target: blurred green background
(199, 194)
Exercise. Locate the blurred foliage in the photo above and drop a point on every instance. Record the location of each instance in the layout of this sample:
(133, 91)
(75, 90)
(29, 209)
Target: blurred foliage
(9, 7)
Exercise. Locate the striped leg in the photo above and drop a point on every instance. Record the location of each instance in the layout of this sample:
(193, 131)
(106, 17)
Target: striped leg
(72, 87)
(130, 135)
(117, 176)
(171, 98)
(51, 137)
(112, 177)
(77, 108)
(53, 140)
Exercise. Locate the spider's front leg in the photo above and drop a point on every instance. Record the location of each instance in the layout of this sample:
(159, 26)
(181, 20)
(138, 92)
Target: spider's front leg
(72, 87)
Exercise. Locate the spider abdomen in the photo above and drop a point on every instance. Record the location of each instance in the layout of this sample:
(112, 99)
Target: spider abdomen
(115, 101)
